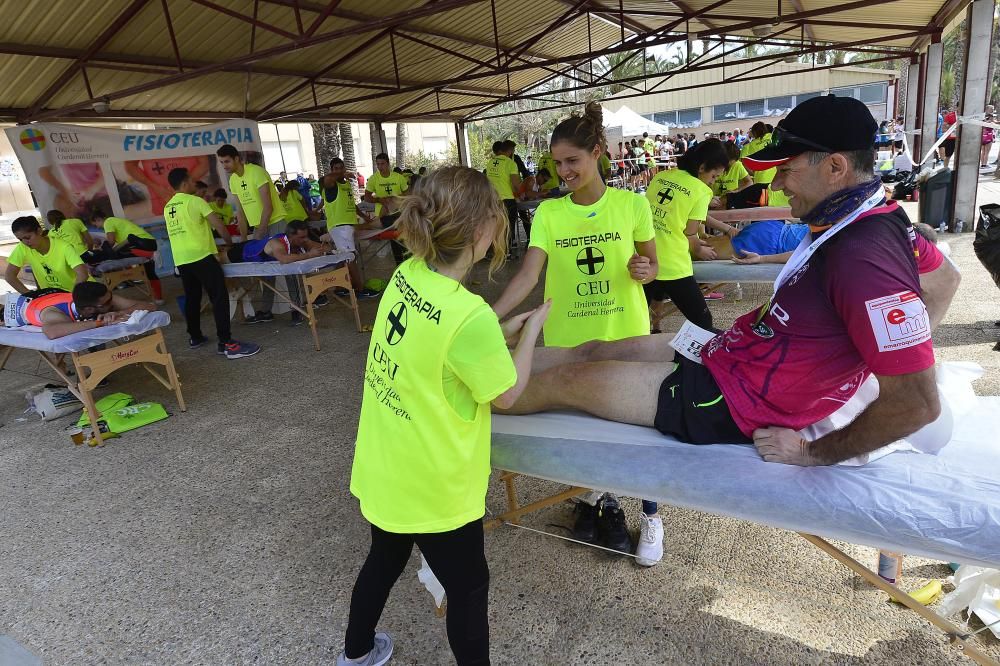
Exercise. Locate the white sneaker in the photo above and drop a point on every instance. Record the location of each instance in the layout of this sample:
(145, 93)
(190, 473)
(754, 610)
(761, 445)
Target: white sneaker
(650, 548)
(379, 655)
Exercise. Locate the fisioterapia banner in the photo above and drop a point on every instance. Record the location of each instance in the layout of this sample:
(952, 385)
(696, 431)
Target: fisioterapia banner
(79, 169)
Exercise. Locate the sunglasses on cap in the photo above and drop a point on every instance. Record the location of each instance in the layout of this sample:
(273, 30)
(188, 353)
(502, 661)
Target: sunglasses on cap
(781, 136)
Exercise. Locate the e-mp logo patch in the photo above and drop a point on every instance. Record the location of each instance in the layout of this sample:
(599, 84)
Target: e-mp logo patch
(33, 139)
(899, 321)
(590, 260)
(395, 324)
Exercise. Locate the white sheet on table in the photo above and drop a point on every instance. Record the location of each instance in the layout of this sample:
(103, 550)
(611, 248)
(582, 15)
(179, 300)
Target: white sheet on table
(31, 337)
(944, 506)
(275, 268)
(112, 265)
(726, 271)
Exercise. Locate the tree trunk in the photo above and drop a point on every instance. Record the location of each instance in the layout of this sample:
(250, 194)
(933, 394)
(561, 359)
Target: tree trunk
(375, 141)
(326, 140)
(959, 69)
(401, 145)
(350, 161)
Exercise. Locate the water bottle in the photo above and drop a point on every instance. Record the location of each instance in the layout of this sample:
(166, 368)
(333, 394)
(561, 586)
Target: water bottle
(739, 292)
(959, 225)
(941, 227)
(890, 566)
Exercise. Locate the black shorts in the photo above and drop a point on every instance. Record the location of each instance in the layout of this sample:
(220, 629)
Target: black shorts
(949, 147)
(235, 253)
(691, 408)
(642, 166)
(897, 144)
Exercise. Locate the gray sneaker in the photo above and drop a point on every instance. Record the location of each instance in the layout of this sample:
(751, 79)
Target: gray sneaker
(379, 655)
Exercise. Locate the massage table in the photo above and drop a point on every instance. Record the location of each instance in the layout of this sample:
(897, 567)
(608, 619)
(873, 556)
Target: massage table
(129, 269)
(315, 276)
(128, 343)
(944, 506)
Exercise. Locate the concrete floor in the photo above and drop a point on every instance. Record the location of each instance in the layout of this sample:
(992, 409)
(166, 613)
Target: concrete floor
(227, 534)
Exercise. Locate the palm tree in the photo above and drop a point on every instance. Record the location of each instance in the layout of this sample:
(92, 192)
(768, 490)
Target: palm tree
(350, 160)
(326, 140)
(401, 145)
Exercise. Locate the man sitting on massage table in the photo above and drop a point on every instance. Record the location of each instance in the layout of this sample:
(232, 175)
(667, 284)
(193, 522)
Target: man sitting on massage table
(847, 305)
(60, 313)
(293, 245)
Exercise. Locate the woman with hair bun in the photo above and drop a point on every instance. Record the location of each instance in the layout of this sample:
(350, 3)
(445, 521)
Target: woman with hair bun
(599, 245)
(597, 242)
(438, 358)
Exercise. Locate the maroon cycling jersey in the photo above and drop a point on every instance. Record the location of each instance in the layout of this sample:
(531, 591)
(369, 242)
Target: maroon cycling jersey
(852, 310)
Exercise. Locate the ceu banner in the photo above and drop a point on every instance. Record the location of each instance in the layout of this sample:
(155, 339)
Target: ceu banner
(123, 172)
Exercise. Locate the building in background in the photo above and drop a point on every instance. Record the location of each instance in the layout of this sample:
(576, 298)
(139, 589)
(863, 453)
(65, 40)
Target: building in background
(739, 104)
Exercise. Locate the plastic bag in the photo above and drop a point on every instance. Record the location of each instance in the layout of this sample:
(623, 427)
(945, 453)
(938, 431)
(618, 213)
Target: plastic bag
(987, 242)
(430, 581)
(978, 590)
(106, 404)
(52, 401)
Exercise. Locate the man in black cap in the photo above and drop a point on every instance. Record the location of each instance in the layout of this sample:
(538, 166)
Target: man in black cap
(846, 306)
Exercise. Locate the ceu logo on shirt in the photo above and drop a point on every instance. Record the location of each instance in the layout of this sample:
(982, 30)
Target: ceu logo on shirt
(395, 325)
(590, 261)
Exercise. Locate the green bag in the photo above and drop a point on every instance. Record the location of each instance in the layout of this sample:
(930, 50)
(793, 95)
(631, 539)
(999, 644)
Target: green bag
(121, 415)
(106, 404)
(376, 284)
(134, 416)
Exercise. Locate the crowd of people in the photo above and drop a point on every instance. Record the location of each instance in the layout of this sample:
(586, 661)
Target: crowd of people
(442, 358)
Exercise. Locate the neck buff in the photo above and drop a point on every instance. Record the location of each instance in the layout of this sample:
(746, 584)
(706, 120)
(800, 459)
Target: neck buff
(839, 205)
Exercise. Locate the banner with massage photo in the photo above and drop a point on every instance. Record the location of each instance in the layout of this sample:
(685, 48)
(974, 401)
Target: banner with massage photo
(123, 172)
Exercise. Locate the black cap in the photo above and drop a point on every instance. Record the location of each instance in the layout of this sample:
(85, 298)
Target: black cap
(828, 124)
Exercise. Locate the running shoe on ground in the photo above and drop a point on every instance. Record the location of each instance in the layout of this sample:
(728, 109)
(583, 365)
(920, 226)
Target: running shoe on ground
(714, 296)
(585, 524)
(321, 300)
(297, 319)
(611, 530)
(235, 349)
(340, 291)
(194, 343)
(379, 655)
(649, 550)
(366, 294)
(260, 317)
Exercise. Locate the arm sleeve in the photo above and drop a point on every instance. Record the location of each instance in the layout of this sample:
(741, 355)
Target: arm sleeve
(72, 258)
(929, 258)
(479, 357)
(79, 226)
(368, 185)
(873, 285)
(16, 257)
(539, 230)
(403, 183)
(202, 207)
(699, 209)
(741, 172)
(642, 230)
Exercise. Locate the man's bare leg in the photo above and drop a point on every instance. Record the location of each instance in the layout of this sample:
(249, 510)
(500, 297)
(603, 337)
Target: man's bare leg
(642, 348)
(621, 391)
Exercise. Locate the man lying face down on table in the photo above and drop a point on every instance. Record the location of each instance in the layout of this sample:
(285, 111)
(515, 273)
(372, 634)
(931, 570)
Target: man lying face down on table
(848, 304)
(60, 313)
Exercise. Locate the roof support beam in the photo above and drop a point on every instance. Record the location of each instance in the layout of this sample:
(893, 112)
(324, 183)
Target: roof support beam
(120, 22)
(323, 15)
(173, 37)
(252, 20)
(384, 23)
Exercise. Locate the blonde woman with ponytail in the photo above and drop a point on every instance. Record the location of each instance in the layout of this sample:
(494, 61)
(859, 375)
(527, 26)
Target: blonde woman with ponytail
(438, 358)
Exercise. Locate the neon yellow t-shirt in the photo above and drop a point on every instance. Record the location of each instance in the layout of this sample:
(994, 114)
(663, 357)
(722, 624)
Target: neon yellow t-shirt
(71, 232)
(499, 169)
(777, 198)
(650, 147)
(123, 228)
(549, 164)
(730, 179)
(246, 188)
(342, 210)
(54, 269)
(187, 226)
(436, 361)
(759, 144)
(382, 187)
(604, 167)
(593, 295)
(225, 212)
(294, 210)
(675, 196)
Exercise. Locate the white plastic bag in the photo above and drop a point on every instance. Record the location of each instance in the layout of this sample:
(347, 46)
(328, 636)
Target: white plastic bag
(978, 590)
(430, 581)
(52, 402)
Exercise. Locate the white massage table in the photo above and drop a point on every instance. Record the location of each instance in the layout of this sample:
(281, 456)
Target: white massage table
(944, 506)
(129, 343)
(315, 276)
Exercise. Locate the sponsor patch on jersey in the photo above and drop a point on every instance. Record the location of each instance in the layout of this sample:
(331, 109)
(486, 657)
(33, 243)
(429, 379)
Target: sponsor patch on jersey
(899, 321)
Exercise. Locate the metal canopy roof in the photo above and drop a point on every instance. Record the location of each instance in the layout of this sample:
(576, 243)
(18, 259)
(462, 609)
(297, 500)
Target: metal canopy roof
(305, 60)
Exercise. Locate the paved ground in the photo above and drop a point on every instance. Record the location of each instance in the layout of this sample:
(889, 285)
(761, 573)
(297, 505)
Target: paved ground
(227, 535)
